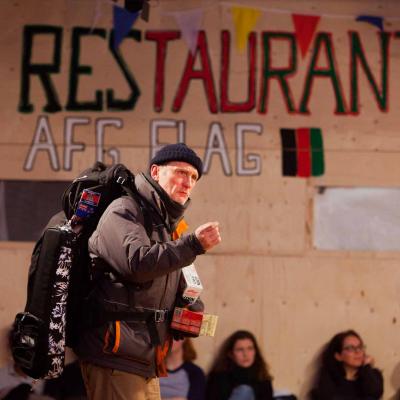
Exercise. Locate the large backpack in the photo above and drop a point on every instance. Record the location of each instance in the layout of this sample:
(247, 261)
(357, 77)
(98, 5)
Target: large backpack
(59, 277)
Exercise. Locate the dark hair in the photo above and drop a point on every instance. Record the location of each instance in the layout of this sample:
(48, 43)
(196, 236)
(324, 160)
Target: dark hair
(224, 362)
(335, 345)
(189, 353)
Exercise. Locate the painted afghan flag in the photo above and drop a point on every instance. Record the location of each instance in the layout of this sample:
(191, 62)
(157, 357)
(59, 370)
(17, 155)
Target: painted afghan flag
(302, 152)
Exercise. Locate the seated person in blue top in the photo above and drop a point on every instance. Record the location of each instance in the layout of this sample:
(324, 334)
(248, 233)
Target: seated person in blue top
(185, 380)
(347, 371)
(239, 372)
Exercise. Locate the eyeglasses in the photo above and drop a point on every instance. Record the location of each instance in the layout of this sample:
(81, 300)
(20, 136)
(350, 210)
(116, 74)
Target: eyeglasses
(353, 349)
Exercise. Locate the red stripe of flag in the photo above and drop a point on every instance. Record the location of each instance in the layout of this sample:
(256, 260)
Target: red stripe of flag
(303, 152)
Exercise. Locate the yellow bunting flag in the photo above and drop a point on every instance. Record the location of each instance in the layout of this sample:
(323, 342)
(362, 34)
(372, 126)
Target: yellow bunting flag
(244, 20)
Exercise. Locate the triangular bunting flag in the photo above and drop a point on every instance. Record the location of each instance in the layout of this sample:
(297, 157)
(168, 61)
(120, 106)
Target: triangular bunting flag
(244, 20)
(123, 22)
(189, 23)
(305, 26)
(376, 21)
(96, 15)
(139, 5)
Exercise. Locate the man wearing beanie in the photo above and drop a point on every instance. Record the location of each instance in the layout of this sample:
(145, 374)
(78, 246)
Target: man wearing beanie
(138, 250)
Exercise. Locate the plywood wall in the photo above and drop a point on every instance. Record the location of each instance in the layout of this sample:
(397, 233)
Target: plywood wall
(265, 276)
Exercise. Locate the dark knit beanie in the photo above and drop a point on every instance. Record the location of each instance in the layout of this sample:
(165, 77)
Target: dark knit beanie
(178, 152)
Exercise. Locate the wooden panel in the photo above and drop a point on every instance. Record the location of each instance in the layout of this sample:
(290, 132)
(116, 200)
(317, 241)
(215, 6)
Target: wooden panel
(265, 276)
(13, 281)
(350, 168)
(294, 305)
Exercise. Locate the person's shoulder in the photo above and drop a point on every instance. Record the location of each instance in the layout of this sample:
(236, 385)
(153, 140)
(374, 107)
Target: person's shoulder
(218, 373)
(218, 376)
(267, 383)
(193, 368)
(370, 370)
(123, 203)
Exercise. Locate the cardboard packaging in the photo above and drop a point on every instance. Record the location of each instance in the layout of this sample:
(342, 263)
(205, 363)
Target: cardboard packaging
(208, 325)
(187, 321)
(195, 323)
(191, 283)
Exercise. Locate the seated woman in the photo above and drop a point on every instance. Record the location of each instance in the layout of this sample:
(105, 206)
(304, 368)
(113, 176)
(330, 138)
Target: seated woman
(185, 380)
(347, 372)
(239, 372)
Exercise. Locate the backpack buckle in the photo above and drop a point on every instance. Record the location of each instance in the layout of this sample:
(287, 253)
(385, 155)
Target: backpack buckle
(160, 315)
(121, 180)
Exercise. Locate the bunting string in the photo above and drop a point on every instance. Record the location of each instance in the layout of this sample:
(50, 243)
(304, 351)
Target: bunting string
(244, 19)
(285, 11)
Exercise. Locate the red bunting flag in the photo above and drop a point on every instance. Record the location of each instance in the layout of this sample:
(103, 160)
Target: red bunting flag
(305, 26)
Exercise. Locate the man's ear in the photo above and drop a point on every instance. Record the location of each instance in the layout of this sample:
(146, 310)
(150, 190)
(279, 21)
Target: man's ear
(154, 172)
(338, 357)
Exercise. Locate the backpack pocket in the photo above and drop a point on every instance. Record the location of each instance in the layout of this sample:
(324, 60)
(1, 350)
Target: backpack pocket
(29, 345)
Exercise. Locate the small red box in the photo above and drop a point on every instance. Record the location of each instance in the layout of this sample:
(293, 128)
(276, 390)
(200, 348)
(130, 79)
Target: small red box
(187, 321)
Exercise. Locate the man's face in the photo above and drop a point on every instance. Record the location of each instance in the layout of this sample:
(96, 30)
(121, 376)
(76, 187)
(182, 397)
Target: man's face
(177, 178)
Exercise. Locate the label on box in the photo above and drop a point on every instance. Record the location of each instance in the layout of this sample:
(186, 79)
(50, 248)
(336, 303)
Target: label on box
(208, 325)
(192, 286)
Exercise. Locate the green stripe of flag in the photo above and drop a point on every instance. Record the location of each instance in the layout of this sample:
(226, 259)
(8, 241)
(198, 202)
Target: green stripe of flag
(317, 152)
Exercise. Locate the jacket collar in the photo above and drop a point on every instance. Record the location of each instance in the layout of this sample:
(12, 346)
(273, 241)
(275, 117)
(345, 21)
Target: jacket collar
(169, 210)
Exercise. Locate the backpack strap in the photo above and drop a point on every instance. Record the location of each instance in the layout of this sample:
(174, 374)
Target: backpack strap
(127, 181)
(145, 207)
(149, 316)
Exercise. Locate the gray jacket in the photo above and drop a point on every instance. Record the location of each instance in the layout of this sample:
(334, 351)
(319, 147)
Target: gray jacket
(143, 273)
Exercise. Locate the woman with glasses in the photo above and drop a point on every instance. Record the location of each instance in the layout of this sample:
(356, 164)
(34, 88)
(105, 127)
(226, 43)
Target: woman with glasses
(347, 371)
(239, 372)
